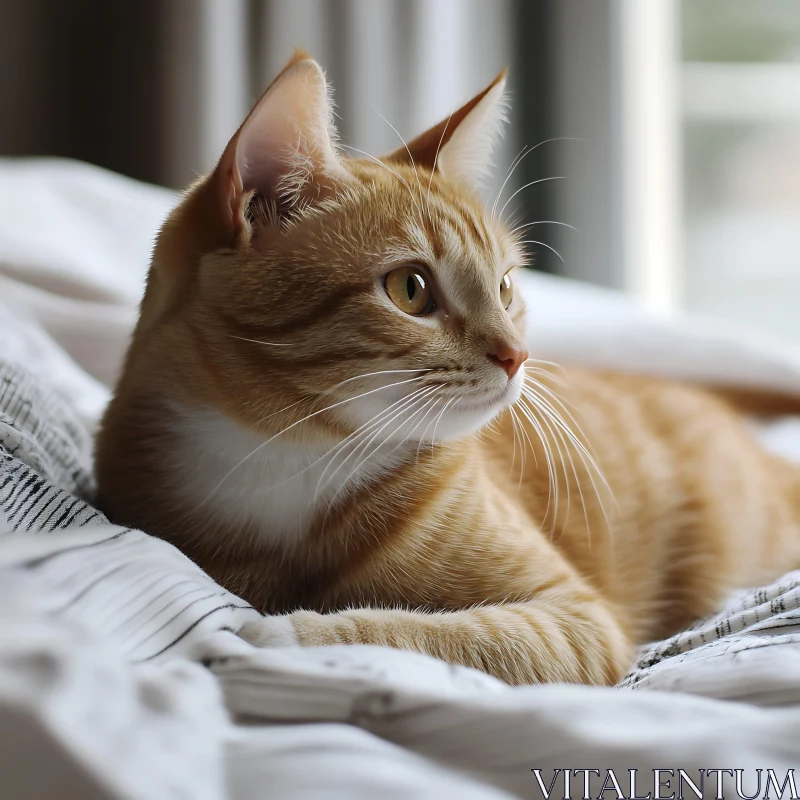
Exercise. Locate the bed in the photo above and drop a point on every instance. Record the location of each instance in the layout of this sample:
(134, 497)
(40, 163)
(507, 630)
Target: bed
(121, 674)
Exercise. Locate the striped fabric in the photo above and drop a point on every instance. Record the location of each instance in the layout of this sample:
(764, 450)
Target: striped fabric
(38, 430)
(745, 636)
(100, 570)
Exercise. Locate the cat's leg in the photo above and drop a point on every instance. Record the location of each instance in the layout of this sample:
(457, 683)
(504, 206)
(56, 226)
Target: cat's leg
(565, 634)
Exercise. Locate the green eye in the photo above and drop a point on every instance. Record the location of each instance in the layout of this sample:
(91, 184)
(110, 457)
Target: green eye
(410, 291)
(506, 291)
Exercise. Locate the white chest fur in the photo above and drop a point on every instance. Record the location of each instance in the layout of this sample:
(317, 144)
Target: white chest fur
(272, 486)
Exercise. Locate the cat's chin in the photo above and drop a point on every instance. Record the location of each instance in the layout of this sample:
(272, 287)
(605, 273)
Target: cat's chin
(466, 418)
(469, 415)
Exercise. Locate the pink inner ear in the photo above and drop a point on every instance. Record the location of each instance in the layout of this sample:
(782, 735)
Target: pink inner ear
(460, 145)
(284, 149)
(286, 142)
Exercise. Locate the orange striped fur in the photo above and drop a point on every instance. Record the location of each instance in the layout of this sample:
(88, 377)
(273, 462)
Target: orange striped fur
(366, 475)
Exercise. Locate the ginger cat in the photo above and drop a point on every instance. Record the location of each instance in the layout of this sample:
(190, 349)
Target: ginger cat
(328, 404)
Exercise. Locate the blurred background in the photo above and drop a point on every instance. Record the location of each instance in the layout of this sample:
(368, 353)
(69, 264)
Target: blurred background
(673, 127)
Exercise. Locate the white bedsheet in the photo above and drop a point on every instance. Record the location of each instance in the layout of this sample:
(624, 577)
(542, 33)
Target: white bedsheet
(107, 690)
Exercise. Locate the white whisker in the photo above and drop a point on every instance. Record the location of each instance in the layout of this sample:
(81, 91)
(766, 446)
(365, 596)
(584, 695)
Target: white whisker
(380, 372)
(295, 424)
(543, 222)
(514, 444)
(259, 341)
(334, 451)
(515, 424)
(342, 383)
(583, 453)
(435, 422)
(411, 402)
(552, 495)
(424, 411)
(543, 244)
(553, 364)
(405, 144)
(538, 387)
(433, 437)
(559, 441)
(419, 399)
(524, 154)
(547, 373)
(527, 186)
(388, 169)
(435, 162)
(548, 440)
(528, 439)
(372, 432)
(514, 164)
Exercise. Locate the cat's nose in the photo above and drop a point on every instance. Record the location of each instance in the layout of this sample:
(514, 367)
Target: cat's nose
(509, 356)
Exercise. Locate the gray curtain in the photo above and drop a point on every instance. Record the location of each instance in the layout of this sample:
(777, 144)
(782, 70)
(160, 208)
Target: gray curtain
(408, 60)
(154, 88)
(79, 78)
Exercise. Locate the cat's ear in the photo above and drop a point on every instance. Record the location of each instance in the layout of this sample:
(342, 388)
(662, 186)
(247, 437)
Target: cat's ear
(461, 145)
(286, 148)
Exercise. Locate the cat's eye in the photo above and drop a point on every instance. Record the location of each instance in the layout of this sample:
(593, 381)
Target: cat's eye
(506, 291)
(410, 291)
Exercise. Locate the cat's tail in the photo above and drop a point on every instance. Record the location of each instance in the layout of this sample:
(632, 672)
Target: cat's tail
(771, 405)
(759, 402)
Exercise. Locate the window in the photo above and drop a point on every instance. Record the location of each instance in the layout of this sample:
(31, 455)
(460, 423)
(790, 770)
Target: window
(740, 87)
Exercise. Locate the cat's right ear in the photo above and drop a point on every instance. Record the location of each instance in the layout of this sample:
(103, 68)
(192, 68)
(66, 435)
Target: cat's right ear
(286, 148)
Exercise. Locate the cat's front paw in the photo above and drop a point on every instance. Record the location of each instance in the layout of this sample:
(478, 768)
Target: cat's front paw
(270, 632)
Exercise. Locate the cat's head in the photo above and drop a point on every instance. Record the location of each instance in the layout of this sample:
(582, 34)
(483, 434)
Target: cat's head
(294, 279)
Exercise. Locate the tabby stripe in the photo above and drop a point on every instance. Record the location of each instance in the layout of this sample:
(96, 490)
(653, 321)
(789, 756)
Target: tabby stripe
(332, 303)
(474, 226)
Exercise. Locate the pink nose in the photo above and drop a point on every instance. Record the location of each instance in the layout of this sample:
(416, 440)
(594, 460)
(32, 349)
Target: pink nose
(509, 357)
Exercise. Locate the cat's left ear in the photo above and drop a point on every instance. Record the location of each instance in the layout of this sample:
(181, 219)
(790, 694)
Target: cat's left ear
(461, 145)
(285, 149)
